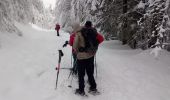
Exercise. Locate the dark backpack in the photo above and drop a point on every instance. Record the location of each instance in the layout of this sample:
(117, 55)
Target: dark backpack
(91, 42)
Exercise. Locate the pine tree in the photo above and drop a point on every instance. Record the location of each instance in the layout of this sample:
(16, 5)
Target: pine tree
(153, 24)
(138, 23)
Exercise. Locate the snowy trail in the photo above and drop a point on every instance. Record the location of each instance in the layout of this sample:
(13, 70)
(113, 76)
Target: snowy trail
(24, 63)
(134, 75)
(27, 69)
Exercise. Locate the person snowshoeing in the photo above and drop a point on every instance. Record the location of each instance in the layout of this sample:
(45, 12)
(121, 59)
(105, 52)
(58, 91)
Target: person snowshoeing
(85, 45)
(76, 28)
(57, 28)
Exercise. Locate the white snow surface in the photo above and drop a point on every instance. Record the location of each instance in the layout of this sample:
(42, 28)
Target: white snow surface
(27, 69)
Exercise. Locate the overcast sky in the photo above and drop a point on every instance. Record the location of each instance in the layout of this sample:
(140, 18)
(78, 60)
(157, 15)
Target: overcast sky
(47, 3)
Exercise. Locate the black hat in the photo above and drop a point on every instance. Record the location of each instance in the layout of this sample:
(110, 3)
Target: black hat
(88, 24)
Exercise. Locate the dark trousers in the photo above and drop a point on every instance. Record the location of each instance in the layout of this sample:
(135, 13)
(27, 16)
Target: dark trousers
(75, 70)
(86, 65)
(58, 33)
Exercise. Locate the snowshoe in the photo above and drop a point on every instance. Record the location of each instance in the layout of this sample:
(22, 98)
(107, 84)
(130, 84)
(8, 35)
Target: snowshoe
(80, 92)
(94, 92)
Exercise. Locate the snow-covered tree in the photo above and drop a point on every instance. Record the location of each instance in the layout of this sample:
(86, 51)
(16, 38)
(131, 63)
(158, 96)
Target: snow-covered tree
(23, 11)
(6, 16)
(139, 23)
(70, 11)
(153, 25)
(63, 12)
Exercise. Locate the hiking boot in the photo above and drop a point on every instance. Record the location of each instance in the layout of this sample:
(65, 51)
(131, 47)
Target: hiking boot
(80, 92)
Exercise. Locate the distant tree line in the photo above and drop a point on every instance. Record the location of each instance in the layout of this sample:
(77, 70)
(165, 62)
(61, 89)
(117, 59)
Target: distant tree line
(138, 23)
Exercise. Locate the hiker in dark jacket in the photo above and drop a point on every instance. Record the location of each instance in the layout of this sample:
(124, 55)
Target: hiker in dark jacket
(85, 59)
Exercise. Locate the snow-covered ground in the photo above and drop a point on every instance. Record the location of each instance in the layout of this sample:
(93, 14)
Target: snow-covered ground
(27, 69)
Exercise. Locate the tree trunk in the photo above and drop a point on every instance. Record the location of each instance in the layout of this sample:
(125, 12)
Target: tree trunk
(168, 32)
(124, 34)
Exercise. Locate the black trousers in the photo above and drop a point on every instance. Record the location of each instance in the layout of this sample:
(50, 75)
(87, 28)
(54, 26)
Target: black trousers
(75, 70)
(58, 33)
(86, 65)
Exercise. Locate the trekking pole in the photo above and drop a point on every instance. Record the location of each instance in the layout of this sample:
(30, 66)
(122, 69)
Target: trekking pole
(58, 68)
(95, 64)
(71, 73)
(70, 85)
(73, 68)
(71, 59)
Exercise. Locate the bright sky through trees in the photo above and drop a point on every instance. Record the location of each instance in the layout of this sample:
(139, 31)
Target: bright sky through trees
(47, 3)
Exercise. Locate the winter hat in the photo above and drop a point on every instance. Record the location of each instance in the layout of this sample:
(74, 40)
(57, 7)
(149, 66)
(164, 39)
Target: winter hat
(88, 24)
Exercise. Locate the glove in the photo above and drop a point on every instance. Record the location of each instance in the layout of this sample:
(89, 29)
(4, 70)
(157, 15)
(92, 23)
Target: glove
(65, 44)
